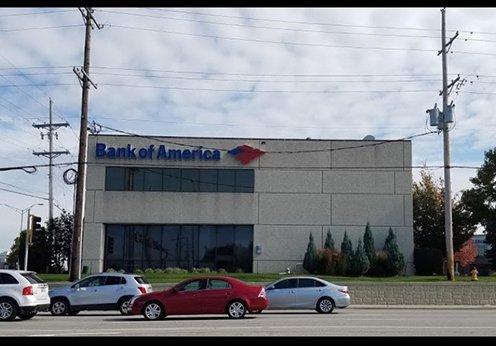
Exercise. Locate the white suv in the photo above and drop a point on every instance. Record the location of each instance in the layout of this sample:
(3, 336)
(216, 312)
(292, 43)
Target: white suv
(105, 291)
(22, 294)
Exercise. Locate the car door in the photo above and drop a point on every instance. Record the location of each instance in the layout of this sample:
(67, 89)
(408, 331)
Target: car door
(307, 293)
(113, 289)
(281, 295)
(216, 296)
(88, 292)
(186, 299)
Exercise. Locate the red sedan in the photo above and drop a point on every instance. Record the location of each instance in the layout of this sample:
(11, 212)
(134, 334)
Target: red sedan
(204, 295)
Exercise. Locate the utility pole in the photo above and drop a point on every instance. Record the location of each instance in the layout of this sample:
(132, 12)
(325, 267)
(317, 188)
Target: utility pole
(50, 154)
(85, 81)
(446, 117)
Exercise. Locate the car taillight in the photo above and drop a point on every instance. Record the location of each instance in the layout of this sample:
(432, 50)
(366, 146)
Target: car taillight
(262, 293)
(27, 291)
(142, 289)
(345, 291)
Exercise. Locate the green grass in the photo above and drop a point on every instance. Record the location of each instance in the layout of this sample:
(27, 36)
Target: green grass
(173, 278)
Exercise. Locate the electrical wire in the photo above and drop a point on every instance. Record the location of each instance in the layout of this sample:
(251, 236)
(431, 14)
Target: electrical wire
(33, 13)
(42, 28)
(24, 194)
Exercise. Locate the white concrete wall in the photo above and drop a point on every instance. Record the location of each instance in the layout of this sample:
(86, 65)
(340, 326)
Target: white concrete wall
(295, 194)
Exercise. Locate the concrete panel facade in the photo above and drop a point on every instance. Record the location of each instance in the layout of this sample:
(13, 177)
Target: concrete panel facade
(301, 187)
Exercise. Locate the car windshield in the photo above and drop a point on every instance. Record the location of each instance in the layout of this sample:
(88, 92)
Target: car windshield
(32, 278)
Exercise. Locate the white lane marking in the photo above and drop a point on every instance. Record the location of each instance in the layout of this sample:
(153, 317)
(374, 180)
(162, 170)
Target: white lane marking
(233, 329)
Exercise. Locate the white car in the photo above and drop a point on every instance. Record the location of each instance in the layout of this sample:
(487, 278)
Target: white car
(22, 294)
(105, 291)
(306, 292)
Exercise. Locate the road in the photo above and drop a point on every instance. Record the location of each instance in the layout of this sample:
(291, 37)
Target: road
(352, 321)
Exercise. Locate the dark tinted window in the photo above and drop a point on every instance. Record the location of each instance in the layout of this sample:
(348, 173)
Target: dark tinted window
(244, 180)
(93, 281)
(153, 179)
(6, 279)
(285, 284)
(33, 279)
(141, 280)
(136, 179)
(302, 283)
(194, 285)
(319, 284)
(172, 179)
(115, 179)
(190, 180)
(208, 180)
(114, 280)
(227, 180)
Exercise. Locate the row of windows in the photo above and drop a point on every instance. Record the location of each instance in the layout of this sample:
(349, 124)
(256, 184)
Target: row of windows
(297, 283)
(132, 247)
(179, 179)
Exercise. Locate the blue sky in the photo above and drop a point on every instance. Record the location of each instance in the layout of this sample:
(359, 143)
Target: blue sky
(262, 72)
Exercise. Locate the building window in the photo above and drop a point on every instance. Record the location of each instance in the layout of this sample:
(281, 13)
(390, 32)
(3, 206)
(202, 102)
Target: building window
(132, 247)
(179, 179)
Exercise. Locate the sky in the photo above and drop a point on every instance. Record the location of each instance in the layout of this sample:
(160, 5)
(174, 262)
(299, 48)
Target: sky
(333, 73)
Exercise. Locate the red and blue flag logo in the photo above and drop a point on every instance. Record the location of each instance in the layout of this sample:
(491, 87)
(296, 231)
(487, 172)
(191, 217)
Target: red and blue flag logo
(245, 153)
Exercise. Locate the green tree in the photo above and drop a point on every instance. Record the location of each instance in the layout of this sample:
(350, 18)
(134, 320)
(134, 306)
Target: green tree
(359, 261)
(60, 233)
(428, 216)
(329, 242)
(347, 252)
(368, 244)
(396, 261)
(310, 260)
(480, 201)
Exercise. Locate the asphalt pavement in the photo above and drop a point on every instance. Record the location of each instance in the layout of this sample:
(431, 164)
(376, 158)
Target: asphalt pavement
(351, 321)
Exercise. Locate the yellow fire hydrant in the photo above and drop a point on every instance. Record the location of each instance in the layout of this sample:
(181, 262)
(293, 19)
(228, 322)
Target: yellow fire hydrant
(474, 273)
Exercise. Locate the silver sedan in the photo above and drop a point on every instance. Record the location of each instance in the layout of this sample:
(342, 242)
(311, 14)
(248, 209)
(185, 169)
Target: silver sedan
(306, 292)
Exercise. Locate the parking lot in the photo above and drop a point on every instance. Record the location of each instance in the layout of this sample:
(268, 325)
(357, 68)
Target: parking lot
(351, 321)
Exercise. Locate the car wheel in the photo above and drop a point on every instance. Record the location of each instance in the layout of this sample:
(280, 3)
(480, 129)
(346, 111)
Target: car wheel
(27, 316)
(325, 305)
(59, 307)
(124, 305)
(236, 309)
(73, 312)
(153, 311)
(8, 310)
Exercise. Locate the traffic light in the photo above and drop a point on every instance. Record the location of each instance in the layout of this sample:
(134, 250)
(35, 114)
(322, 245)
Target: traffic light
(35, 226)
(35, 223)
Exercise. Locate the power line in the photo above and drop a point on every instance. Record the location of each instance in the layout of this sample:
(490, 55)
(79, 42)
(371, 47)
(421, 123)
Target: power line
(33, 13)
(24, 194)
(268, 27)
(42, 28)
(270, 41)
(269, 91)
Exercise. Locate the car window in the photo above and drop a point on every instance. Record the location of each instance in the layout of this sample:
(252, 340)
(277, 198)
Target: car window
(319, 284)
(7, 279)
(93, 281)
(141, 280)
(32, 278)
(216, 284)
(113, 280)
(194, 285)
(304, 283)
(285, 284)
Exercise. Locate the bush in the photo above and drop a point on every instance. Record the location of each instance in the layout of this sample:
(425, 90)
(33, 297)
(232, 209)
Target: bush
(327, 261)
(110, 270)
(359, 261)
(221, 271)
(239, 270)
(139, 271)
(368, 243)
(310, 261)
(159, 271)
(329, 242)
(205, 270)
(428, 261)
(380, 266)
(149, 271)
(194, 270)
(169, 270)
(396, 259)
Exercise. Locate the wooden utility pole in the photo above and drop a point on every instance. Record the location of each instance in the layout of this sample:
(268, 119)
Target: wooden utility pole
(84, 77)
